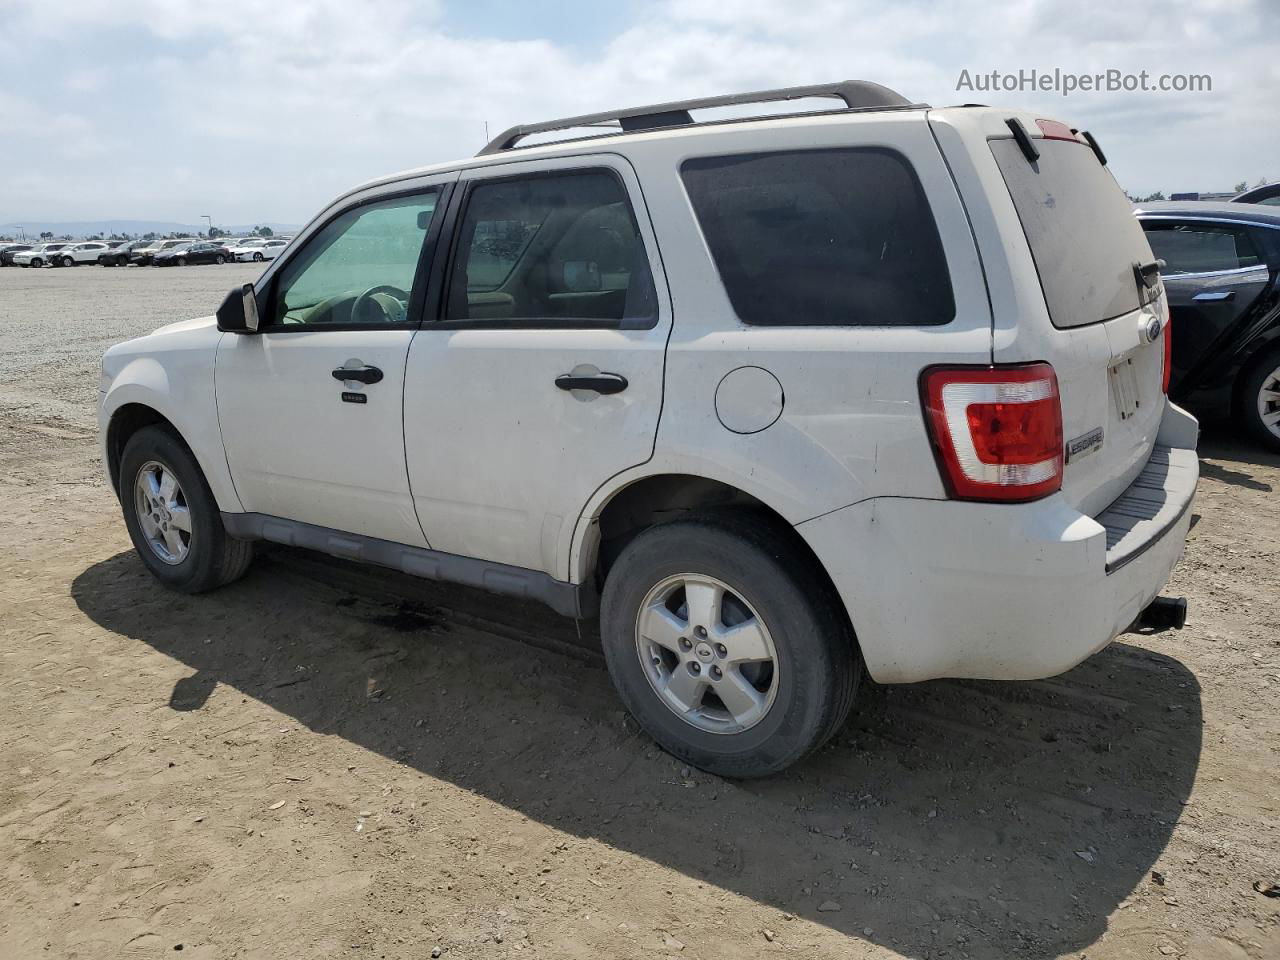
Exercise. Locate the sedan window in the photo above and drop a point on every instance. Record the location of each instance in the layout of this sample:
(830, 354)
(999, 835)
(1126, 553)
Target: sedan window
(1194, 247)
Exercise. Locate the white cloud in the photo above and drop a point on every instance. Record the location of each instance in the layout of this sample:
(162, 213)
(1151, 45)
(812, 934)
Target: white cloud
(264, 108)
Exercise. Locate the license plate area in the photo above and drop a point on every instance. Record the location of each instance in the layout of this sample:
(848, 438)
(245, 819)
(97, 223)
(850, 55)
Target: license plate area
(1123, 378)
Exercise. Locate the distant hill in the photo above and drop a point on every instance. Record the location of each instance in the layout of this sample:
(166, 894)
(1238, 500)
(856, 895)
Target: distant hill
(88, 228)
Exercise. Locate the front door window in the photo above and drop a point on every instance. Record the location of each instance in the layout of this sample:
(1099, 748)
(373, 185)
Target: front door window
(359, 269)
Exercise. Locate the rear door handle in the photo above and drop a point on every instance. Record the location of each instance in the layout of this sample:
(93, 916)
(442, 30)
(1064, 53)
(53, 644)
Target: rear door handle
(599, 382)
(1214, 297)
(364, 374)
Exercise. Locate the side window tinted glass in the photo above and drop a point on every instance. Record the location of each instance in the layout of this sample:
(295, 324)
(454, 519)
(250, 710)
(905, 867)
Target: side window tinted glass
(360, 268)
(1200, 247)
(822, 237)
(552, 248)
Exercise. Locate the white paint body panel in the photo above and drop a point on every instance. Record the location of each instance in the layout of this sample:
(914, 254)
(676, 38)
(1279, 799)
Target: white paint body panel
(171, 371)
(501, 460)
(297, 450)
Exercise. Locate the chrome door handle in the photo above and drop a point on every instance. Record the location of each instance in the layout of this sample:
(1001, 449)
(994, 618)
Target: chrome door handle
(1216, 296)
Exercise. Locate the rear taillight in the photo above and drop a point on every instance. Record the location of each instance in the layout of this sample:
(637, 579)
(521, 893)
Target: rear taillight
(997, 430)
(1168, 351)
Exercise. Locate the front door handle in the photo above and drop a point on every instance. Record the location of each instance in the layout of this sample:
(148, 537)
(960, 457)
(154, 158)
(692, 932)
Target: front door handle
(599, 382)
(364, 374)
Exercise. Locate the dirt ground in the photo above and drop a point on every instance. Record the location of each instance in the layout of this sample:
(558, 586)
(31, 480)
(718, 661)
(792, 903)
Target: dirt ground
(332, 761)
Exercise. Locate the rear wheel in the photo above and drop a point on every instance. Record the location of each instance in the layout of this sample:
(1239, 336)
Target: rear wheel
(172, 516)
(219, 259)
(1260, 400)
(724, 643)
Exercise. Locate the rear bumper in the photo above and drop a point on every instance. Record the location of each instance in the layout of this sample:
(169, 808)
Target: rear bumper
(940, 588)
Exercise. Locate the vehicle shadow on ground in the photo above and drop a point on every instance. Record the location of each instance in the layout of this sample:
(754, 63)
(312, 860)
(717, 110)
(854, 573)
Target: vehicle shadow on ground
(951, 818)
(1236, 456)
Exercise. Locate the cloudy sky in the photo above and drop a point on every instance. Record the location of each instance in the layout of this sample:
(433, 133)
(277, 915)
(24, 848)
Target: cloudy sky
(257, 110)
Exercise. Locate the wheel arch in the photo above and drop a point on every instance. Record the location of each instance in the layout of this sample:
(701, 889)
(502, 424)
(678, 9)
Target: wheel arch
(130, 407)
(645, 501)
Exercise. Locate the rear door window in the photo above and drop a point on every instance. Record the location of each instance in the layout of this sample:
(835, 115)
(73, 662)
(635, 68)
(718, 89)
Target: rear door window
(1080, 226)
(839, 237)
(1191, 247)
(560, 249)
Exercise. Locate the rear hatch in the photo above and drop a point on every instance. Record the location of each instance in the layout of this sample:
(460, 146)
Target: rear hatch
(1102, 292)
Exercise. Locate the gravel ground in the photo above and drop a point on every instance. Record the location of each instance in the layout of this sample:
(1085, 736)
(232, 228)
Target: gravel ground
(324, 760)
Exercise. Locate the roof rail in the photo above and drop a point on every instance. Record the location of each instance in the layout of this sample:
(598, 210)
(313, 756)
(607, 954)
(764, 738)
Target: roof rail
(856, 94)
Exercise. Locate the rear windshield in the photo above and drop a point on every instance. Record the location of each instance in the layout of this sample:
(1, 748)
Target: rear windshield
(1083, 235)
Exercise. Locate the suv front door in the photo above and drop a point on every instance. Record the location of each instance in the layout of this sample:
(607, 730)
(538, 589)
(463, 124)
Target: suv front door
(542, 376)
(302, 442)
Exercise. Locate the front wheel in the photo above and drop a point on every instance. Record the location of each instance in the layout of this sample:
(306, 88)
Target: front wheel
(68, 262)
(1260, 400)
(172, 516)
(257, 258)
(725, 644)
(182, 261)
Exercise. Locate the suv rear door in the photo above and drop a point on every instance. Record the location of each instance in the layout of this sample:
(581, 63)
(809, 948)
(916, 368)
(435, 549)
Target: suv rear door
(1099, 312)
(542, 376)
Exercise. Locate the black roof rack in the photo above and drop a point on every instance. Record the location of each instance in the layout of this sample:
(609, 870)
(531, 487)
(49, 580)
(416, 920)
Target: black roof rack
(856, 94)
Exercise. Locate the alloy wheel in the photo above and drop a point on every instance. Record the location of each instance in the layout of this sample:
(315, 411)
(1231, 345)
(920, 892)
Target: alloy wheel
(707, 654)
(162, 511)
(1268, 401)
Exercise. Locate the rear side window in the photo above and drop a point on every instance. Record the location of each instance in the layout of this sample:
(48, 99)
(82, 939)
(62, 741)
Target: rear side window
(822, 237)
(1200, 247)
(1081, 229)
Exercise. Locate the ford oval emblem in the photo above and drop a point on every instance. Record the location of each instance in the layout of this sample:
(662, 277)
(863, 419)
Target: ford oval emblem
(1151, 330)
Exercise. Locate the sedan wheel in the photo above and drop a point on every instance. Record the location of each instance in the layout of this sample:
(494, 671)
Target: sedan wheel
(257, 258)
(182, 261)
(220, 259)
(68, 262)
(1262, 401)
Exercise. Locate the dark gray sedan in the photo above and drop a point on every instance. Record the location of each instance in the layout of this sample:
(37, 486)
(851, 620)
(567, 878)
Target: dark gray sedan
(1222, 261)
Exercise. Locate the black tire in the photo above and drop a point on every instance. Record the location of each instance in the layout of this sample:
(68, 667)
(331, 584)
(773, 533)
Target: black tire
(219, 259)
(213, 558)
(182, 261)
(35, 262)
(68, 262)
(818, 667)
(1260, 375)
(257, 258)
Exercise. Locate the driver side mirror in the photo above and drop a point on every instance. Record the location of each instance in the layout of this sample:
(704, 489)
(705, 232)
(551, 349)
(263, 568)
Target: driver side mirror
(239, 311)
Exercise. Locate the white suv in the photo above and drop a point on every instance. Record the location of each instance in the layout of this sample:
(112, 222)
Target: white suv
(77, 253)
(783, 399)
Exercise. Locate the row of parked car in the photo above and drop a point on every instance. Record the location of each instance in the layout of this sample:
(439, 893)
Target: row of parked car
(160, 253)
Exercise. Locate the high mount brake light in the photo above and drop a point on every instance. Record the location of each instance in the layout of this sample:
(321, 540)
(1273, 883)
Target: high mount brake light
(1056, 130)
(997, 431)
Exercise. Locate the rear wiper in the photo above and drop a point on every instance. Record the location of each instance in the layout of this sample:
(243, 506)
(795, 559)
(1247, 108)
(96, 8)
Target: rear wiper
(1147, 277)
